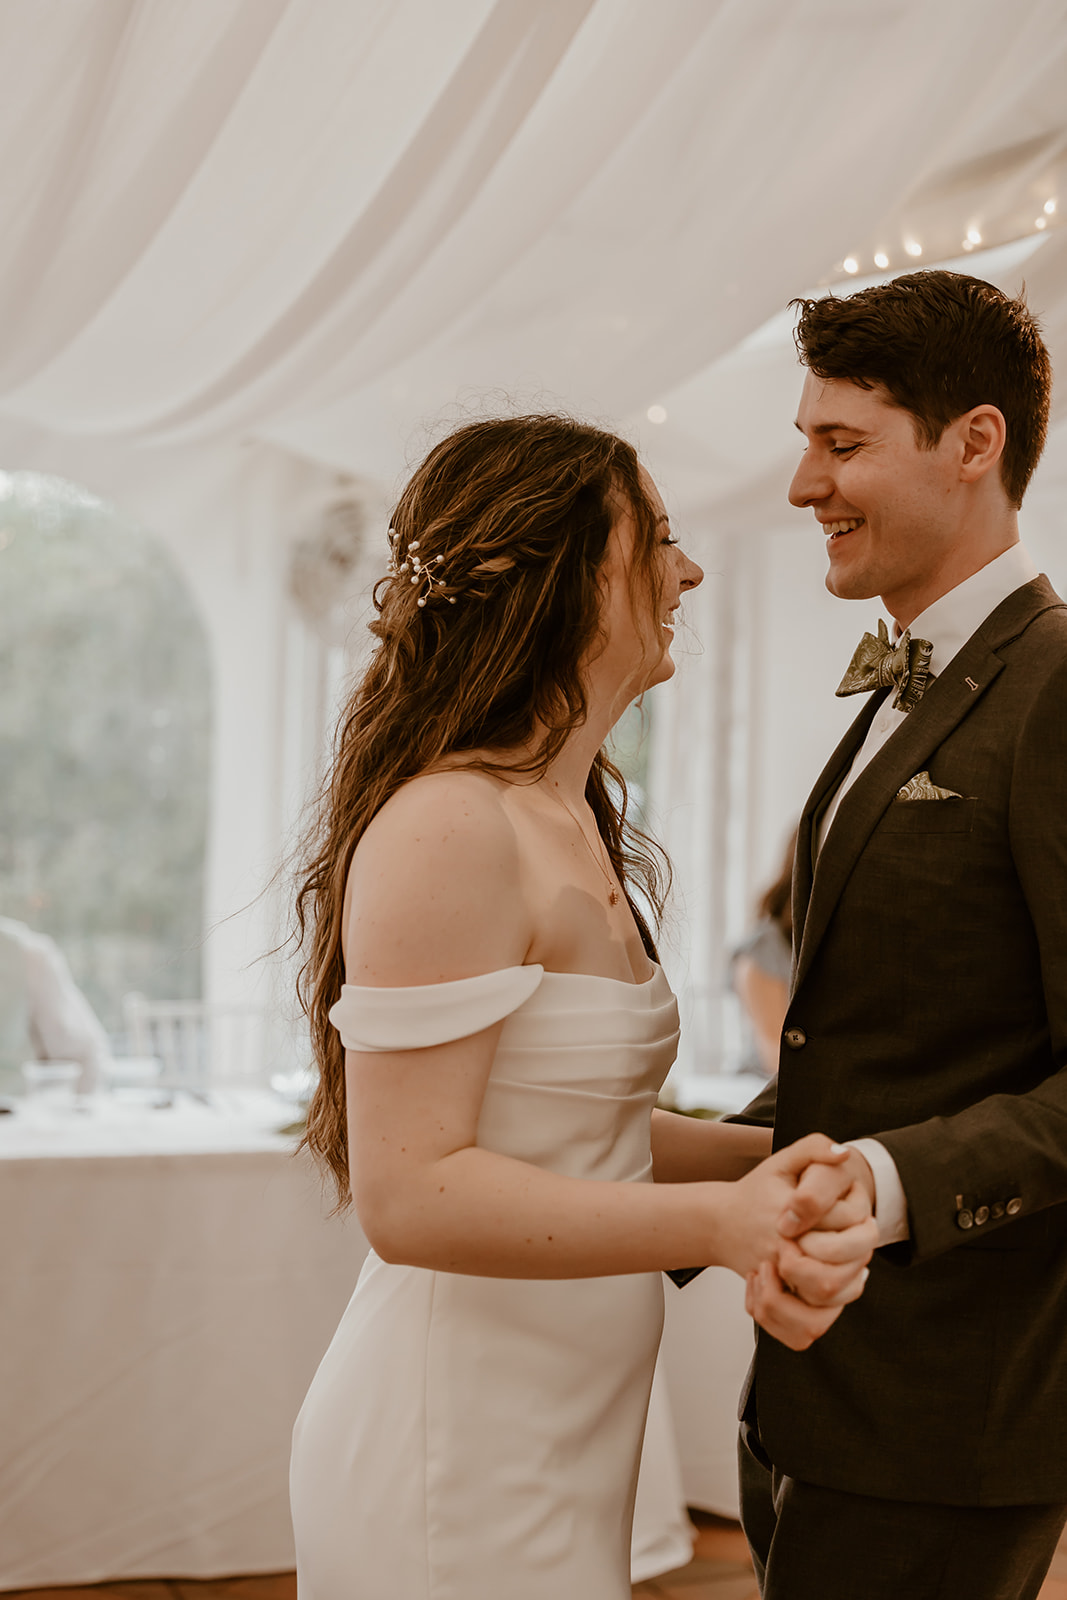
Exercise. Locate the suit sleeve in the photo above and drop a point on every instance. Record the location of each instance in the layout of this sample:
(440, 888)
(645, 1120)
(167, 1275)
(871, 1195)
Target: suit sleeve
(1008, 1153)
(759, 1113)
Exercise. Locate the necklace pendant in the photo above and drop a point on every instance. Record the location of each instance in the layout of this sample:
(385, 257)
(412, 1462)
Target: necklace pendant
(613, 897)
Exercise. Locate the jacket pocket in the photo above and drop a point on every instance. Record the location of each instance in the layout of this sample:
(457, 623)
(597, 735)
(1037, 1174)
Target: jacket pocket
(929, 816)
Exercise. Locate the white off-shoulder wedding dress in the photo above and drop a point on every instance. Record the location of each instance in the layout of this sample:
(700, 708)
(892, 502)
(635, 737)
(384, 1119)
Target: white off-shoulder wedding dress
(478, 1438)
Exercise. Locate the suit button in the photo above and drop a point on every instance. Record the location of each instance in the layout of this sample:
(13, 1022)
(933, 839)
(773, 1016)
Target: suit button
(981, 1215)
(796, 1038)
(964, 1219)
(1014, 1207)
(996, 1210)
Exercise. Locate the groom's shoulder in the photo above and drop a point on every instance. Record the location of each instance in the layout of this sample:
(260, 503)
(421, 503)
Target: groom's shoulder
(1029, 628)
(1035, 675)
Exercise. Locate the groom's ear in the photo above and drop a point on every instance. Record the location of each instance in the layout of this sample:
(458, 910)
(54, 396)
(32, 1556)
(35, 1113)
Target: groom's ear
(981, 434)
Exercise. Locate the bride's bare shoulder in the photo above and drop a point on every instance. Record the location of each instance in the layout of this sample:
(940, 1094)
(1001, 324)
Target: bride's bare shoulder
(448, 831)
(434, 889)
(446, 805)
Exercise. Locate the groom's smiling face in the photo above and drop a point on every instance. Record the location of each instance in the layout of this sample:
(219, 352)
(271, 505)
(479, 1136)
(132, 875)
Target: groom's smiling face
(885, 503)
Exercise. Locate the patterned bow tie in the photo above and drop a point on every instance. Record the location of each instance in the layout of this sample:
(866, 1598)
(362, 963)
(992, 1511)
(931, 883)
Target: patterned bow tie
(877, 664)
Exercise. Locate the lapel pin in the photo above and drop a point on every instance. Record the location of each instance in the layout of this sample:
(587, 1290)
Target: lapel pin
(970, 683)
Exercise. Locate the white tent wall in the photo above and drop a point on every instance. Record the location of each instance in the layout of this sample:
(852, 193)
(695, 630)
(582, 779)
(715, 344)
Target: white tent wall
(228, 519)
(252, 243)
(739, 736)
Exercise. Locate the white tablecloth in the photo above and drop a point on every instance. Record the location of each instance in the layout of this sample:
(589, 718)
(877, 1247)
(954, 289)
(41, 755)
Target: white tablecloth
(170, 1281)
(706, 1350)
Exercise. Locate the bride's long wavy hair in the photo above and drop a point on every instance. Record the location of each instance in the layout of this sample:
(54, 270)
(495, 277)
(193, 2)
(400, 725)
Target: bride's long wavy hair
(519, 510)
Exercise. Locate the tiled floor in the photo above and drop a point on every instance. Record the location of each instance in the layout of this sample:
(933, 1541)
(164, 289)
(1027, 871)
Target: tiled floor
(720, 1570)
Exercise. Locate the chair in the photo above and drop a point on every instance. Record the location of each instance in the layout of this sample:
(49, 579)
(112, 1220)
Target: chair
(199, 1043)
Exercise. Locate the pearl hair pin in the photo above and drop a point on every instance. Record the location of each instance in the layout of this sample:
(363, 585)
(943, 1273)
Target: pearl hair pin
(425, 572)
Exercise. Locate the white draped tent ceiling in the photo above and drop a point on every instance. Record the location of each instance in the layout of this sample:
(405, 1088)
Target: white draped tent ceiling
(314, 221)
(250, 244)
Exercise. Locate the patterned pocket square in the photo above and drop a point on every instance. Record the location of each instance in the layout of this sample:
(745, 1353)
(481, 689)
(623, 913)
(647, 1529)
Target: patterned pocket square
(921, 788)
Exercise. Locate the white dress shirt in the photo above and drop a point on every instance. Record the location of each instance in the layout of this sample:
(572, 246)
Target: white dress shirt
(43, 1014)
(947, 624)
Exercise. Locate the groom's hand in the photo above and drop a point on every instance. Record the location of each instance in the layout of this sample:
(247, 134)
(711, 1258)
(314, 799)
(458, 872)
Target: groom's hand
(802, 1294)
(821, 1202)
(826, 1236)
(825, 1265)
(780, 1313)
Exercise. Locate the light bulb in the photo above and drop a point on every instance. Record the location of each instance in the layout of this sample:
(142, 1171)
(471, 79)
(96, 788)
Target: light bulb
(1050, 207)
(913, 247)
(850, 264)
(973, 236)
(1040, 223)
(656, 414)
(881, 259)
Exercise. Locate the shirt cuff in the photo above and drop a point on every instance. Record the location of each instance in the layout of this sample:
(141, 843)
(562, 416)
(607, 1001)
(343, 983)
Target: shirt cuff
(890, 1201)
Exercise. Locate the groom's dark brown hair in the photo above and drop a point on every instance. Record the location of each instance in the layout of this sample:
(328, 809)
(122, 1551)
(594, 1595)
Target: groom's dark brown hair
(939, 344)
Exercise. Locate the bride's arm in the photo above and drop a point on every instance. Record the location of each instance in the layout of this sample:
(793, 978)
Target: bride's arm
(436, 895)
(427, 1196)
(691, 1149)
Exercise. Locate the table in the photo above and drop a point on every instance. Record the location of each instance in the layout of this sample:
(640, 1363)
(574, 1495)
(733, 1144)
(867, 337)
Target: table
(690, 1454)
(171, 1280)
(705, 1355)
(170, 1284)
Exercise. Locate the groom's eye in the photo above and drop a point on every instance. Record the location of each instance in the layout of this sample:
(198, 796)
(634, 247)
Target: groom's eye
(842, 449)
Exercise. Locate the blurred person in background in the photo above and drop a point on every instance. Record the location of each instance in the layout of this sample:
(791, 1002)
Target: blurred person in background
(760, 969)
(43, 1014)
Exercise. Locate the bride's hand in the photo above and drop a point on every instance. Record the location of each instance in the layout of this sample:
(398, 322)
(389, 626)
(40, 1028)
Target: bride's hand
(791, 1192)
(826, 1265)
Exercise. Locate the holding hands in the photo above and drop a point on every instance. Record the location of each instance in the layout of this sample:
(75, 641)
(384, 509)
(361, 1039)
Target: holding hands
(803, 1235)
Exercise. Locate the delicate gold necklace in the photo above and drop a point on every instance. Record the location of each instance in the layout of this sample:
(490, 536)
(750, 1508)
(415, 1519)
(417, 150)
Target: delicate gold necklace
(613, 893)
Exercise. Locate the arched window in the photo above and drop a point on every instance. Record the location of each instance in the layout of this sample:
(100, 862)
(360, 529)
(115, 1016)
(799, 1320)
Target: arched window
(104, 744)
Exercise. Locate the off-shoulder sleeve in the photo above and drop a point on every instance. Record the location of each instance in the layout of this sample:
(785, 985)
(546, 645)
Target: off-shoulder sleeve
(430, 1013)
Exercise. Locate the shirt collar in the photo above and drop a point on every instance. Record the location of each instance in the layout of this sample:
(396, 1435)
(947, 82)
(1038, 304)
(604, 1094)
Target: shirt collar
(950, 621)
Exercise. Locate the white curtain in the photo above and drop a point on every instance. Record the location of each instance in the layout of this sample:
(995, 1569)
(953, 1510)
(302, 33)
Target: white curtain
(319, 219)
(250, 242)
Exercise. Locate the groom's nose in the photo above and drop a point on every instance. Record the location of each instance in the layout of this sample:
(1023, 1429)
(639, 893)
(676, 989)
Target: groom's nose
(811, 482)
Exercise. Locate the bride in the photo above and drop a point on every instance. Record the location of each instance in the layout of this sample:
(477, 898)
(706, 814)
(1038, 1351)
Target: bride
(492, 1029)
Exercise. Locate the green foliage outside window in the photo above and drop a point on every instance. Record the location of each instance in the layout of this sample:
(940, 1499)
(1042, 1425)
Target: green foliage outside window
(104, 744)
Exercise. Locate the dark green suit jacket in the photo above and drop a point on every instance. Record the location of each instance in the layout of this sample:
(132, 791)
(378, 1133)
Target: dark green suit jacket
(929, 1010)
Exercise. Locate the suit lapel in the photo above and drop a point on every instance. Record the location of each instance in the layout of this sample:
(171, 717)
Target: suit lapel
(947, 701)
(826, 786)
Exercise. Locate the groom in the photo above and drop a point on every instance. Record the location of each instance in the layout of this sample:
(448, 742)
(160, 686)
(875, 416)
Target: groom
(919, 1449)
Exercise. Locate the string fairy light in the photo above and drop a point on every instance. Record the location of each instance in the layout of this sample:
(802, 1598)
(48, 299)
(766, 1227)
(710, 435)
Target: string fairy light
(973, 240)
